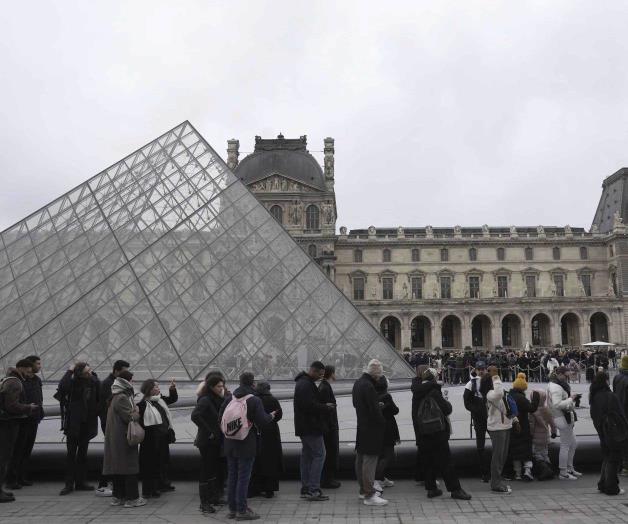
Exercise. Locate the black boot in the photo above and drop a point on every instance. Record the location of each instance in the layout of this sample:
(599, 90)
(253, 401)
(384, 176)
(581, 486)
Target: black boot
(204, 493)
(215, 493)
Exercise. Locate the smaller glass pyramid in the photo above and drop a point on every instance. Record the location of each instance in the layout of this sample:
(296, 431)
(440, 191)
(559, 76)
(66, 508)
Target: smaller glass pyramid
(166, 260)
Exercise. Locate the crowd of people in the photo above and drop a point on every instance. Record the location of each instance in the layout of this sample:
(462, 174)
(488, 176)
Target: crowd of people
(239, 439)
(454, 367)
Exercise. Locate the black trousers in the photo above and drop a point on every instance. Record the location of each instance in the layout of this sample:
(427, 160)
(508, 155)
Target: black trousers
(436, 460)
(76, 459)
(125, 487)
(8, 436)
(164, 461)
(27, 434)
(480, 443)
(332, 449)
(611, 463)
(150, 461)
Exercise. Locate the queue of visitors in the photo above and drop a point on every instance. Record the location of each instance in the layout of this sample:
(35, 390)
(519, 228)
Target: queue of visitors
(239, 438)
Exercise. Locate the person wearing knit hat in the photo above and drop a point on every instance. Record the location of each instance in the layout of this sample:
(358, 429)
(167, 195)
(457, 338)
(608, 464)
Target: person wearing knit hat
(521, 436)
(520, 382)
(620, 388)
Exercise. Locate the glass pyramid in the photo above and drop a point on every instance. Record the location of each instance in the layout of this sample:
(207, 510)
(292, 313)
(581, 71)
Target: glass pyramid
(166, 260)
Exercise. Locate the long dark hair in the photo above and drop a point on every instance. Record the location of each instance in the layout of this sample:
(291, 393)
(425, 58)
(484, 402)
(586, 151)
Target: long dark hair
(212, 379)
(599, 383)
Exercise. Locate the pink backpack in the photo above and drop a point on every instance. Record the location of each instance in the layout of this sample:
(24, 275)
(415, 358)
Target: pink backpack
(235, 424)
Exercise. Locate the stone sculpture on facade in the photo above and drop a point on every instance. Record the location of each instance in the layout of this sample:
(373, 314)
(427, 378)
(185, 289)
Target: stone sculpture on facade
(429, 232)
(513, 232)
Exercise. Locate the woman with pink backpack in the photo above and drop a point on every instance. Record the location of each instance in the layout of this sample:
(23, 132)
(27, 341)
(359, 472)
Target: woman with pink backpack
(240, 417)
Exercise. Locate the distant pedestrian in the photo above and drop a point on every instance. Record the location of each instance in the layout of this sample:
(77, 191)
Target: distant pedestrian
(330, 435)
(434, 430)
(209, 441)
(612, 428)
(561, 404)
(620, 388)
(391, 435)
(78, 392)
(104, 489)
(309, 413)
(269, 461)
(241, 442)
(121, 459)
(17, 476)
(13, 409)
(156, 420)
(371, 426)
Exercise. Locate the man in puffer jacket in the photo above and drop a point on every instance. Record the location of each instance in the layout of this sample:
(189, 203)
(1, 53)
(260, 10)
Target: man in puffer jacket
(498, 425)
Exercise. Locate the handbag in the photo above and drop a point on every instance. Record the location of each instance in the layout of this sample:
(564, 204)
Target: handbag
(134, 432)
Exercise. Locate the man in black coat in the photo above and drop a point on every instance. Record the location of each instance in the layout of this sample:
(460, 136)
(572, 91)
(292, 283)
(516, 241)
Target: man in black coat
(371, 425)
(13, 409)
(330, 436)
(16, 477)
(79, 394)
(105, 399)
(620, 388)
(309, 412)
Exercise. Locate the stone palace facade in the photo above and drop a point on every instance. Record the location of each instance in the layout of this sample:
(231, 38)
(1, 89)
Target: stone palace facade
(453, 287)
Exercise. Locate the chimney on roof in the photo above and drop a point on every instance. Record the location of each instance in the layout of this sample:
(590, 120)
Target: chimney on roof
(233, 152)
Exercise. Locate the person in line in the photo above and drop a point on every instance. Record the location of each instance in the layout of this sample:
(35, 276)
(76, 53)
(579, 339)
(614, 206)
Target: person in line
(620, 388)
(309, 413)
(241, 452)
(17, 477)
(103, 489)
(13, 409)
(121, 460)
(209, 441)
(391, 435)
(561, 405)
(371, 426)
(269, 461)
(498, 425)
(541, 426)
(78, 392)
(434, 439)
(156, 420)
(475, 404)
(419, 473)
(330, 436)
(521, 436)
(605, 408)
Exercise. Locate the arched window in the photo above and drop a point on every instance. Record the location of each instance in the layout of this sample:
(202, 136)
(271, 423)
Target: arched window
(584, 253)
(311, 250)
(473, 254)
(277, 213)
(556, 253)
(357, 255)
(501, 253)
(444, 255)
(386, 255)
(416, 255)
(312, 222)
(529, 253)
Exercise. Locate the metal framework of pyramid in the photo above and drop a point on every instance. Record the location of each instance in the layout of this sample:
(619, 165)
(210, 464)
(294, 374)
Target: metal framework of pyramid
(166, 260)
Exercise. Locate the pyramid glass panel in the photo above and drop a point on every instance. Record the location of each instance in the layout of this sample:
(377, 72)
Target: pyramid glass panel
(166, 260)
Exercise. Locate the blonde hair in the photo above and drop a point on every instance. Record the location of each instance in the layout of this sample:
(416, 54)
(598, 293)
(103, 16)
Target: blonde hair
(375, 368)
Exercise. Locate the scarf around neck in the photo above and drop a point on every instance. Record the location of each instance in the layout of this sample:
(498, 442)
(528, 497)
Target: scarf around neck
(152, 416)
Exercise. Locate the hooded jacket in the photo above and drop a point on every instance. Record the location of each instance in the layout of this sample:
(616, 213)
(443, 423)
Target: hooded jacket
(309, 410)
(558, 400)
(119, 458)
(497, 419)
(541, 423)
(433, 388)
(15, 403)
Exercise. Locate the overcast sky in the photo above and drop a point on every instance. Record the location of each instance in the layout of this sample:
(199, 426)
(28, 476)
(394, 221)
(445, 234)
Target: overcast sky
(443, 113)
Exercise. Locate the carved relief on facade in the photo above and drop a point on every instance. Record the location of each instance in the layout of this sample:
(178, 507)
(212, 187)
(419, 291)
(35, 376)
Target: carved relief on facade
(296, 210)
(278, 183)
(328, 213)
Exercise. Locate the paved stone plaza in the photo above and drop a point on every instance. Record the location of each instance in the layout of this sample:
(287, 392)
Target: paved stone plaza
(551, 502)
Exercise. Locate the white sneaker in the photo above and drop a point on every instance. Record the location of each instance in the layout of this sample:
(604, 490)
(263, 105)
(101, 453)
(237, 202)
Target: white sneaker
(375, 500)
(103, 492)
(135, 503)
(566, 476)
(387, 483)
(117, 502)
(377, 486)
(377, 493)
(622, 491)
(574, 473)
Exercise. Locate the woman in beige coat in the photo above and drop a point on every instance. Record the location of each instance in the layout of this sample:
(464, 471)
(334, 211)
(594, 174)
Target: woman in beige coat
(121, 461)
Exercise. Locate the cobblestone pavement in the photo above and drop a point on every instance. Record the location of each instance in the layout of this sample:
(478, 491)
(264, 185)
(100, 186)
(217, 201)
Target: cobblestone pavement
(548, 502)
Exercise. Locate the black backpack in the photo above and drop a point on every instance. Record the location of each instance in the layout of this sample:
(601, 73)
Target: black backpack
(430, 418)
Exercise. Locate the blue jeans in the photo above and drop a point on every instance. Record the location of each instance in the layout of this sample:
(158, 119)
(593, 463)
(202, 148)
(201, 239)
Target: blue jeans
(239, 474)
(312, 461)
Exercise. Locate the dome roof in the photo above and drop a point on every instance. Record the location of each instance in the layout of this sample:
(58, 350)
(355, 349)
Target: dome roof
(274, 157)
